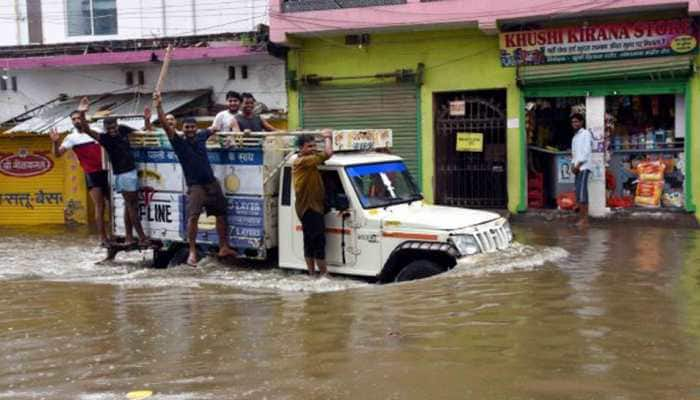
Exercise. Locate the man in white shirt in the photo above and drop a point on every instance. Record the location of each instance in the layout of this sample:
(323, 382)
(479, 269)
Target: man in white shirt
(89, 155)
(225, 121)
(581, 151)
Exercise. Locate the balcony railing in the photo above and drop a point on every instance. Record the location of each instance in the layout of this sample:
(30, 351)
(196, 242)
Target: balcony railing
(315, 5)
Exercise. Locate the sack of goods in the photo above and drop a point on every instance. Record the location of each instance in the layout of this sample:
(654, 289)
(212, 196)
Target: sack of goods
(651, 171)
(649, 193)
(651, 183)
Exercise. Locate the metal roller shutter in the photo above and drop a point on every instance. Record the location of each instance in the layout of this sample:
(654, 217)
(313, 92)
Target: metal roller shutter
(649, 68)
(367, 106)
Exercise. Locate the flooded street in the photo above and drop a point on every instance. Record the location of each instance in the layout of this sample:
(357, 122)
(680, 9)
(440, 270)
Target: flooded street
(612, 313)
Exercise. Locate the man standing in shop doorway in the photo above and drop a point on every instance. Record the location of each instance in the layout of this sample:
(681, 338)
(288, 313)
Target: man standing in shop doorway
(581, 151)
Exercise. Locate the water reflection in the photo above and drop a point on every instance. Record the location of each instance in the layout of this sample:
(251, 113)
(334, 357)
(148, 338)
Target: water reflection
(612, 314)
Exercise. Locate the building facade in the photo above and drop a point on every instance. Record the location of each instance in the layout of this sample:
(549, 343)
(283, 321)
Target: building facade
(477, 85)
(54, 52)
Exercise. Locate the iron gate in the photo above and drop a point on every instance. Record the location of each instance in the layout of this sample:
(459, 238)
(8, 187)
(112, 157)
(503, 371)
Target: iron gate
(471, 179)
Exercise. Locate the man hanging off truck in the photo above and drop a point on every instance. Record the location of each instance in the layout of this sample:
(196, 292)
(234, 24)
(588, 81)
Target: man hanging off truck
(115, 140)
(89, 154)
(310, 199)
(203, 189)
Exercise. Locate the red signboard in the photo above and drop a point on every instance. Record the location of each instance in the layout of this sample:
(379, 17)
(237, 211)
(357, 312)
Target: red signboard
(24, 165)
(612, 41)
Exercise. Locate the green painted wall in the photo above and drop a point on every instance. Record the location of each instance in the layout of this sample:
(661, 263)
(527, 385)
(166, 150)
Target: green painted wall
(692, 134)
(454, 60)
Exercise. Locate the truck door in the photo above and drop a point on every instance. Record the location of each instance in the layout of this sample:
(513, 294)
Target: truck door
(340, 237)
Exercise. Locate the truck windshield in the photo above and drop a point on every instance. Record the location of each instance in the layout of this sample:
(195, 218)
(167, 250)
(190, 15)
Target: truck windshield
(383, 184)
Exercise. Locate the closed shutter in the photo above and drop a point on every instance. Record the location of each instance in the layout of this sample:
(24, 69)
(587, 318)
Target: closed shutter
(365, 107)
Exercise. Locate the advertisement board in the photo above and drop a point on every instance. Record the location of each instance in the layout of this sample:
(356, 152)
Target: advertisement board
(598, 42)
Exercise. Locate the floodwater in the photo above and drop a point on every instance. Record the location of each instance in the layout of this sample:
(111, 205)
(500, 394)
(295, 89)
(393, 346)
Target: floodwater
(611, 313)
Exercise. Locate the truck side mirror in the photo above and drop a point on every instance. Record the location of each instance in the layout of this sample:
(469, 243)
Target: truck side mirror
(341, 202)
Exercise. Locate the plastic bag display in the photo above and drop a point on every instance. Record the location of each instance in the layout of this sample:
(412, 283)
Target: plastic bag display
(672, 199)
(649, 194)
(651, 171)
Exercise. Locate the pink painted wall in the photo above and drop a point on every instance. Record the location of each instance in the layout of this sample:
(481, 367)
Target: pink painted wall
(126, 57)
(479, 13)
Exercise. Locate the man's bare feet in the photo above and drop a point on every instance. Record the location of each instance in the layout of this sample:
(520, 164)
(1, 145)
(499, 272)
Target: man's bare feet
(226, 252)
(192, 260)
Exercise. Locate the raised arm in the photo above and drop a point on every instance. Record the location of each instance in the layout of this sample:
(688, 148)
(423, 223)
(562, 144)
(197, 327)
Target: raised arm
(147, 114)
(55, 137)
(83, 108)
(328, 142)
(161, 116)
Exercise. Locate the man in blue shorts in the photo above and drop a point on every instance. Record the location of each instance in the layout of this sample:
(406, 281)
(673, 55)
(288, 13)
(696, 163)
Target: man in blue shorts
(115, 140)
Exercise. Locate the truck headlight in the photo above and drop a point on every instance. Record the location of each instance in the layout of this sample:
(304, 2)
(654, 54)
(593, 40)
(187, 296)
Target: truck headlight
(466, 244)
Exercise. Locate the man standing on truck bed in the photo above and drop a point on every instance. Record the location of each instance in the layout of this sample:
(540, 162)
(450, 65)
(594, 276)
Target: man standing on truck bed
(226, 120)
(115, 141)
(89, 154)
(310, 196)
(203, 189)
(248, 120)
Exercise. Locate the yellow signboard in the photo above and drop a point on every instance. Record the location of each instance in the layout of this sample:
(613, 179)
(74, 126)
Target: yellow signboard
(37, 188)
(470, 141)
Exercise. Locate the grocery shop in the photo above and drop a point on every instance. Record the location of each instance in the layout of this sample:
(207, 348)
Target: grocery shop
(630, 80)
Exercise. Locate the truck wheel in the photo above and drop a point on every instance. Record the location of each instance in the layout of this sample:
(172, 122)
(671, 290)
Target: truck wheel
(418, 269)
(161, 258)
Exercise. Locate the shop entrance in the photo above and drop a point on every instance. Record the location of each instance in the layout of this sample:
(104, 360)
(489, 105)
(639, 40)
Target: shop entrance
(470, 149)
(638, 149)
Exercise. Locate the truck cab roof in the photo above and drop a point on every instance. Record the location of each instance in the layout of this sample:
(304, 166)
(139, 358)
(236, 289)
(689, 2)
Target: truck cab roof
(355, 158)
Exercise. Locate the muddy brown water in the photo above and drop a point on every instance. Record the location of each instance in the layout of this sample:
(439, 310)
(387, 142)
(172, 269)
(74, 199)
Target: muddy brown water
(612, 313)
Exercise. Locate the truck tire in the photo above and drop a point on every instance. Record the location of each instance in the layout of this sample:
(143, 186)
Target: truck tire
(418, 269)
(161, 258)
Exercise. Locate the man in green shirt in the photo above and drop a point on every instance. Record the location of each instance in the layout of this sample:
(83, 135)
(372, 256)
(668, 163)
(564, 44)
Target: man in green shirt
(310, 196)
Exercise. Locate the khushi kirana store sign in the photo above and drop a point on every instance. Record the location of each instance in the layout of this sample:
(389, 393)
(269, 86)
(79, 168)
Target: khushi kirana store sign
(601, 42)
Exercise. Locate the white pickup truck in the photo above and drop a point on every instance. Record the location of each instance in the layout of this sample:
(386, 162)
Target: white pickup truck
(377, 224)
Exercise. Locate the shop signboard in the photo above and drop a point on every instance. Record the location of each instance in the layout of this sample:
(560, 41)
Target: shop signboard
(470, 142)
(25, 164)
(365, 139)
(458, 108)
(600, 42)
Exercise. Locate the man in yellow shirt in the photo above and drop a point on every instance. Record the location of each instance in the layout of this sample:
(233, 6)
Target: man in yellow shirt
(310, 198)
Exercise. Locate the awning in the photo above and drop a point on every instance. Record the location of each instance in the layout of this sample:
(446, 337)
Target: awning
(57, 115)
(645, 68)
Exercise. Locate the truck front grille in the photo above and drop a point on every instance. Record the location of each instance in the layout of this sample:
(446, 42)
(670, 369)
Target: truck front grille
(492, 239)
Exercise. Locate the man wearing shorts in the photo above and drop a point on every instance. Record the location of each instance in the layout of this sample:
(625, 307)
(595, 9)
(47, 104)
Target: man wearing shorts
(89, 155)
(203, 188)
(115, 140)
(581, 151)
(310, 196)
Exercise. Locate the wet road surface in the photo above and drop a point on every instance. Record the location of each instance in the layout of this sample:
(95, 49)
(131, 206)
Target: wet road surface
(612, 313)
